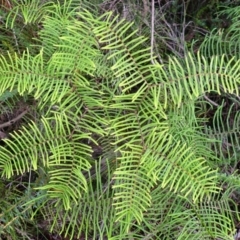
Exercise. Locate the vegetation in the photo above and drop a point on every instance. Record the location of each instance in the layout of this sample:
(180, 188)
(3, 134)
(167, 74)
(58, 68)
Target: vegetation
(116, 123)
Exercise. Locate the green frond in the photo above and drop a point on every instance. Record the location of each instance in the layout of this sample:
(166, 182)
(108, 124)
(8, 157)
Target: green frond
(66, 181)
(134, 179)
(92, 215)
(192, 78)
(203, 222)
(122, 150)
(55, 23)
(28, 75)
(124, 46)
(180, 218)
(221, 41)
(31, 11)
(194, 182)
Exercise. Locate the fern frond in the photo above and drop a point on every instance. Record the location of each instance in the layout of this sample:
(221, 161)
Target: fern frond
(124, 46)
(31, 11)
(92, 215)
(132, 186)
(66, 182)
(204, 222)
(155, 165)
(221, 41)
(28, 75)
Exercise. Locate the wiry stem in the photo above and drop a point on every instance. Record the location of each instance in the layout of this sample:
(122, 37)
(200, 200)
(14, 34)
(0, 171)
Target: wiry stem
(152, 30)
(11, 122)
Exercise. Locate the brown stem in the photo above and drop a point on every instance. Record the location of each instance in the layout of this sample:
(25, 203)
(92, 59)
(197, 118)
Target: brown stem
(11, 122)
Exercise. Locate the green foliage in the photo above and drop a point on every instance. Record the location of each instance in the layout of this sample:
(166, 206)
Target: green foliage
(89, 84)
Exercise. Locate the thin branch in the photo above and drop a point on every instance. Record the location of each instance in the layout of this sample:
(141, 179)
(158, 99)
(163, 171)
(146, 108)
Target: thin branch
(11, 122)
(152, 30)
(212, 102)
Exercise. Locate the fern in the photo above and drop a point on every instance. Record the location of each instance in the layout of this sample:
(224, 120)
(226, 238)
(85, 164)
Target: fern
(95, 86)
